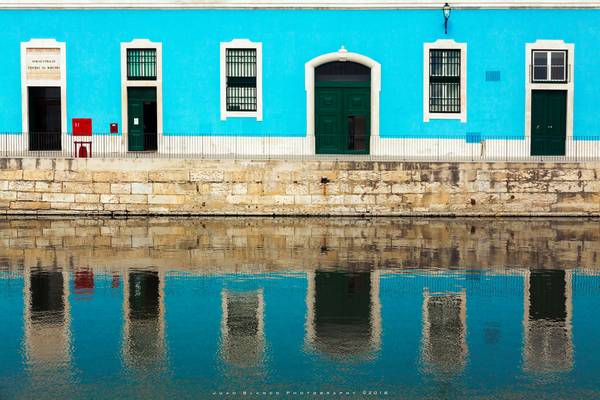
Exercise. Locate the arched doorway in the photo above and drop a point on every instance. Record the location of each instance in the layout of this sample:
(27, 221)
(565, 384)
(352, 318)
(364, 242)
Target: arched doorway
(342, 103)
(342, 108)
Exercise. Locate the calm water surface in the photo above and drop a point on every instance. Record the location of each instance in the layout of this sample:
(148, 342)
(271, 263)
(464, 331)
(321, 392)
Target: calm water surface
(382, 308)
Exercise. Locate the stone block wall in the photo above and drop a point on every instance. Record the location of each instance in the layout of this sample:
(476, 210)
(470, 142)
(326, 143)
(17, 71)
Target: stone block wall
(296, 187)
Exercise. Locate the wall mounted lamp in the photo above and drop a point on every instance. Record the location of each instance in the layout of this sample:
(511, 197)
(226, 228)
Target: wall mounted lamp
(447, 11)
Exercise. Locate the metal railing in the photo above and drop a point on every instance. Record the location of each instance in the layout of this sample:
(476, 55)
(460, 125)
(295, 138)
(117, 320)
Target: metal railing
(470, 148)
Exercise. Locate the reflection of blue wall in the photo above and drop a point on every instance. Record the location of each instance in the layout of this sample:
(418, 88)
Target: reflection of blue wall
(496, 42)
(11, 332)
(192, 334)
(97, 329)
(586, 302)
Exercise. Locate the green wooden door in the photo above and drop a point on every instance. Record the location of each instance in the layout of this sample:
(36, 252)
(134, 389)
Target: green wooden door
(342, 118)
(138, 125)
(548, 122)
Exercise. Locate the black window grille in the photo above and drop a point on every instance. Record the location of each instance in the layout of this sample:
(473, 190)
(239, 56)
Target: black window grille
(141, 64)
(241, 79)
(444, 81)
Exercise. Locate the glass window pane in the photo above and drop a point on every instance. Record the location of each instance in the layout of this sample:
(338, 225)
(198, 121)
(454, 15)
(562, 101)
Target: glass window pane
(540, 73)
(558, 58)
(357, 136)
(540, 58)
(558, 73)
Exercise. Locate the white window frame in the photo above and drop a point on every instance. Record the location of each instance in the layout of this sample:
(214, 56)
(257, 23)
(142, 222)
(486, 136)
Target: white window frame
(548, 78)
(241, 44)
(126, 83)
(62, 83)
(549, 45)
(445, 44)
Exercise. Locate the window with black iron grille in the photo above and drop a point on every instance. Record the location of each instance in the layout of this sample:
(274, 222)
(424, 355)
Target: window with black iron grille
(444, 81)
(141, 64)
(241, 79)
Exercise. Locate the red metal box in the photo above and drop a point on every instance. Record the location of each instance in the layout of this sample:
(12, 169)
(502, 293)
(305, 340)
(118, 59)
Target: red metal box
(82, 127)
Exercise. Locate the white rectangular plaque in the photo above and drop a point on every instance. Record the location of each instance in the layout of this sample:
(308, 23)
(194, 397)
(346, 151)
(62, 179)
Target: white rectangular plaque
(43, 64)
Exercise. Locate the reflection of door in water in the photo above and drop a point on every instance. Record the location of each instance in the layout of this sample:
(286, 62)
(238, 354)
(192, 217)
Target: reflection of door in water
(144, 332)
(343, 312)
(142, 118)
(342, 108)
(548, 311)
(548, 122)
(44, 118)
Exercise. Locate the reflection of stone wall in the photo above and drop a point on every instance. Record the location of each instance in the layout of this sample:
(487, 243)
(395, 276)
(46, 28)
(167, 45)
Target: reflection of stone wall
(264, 244)
(171, 186)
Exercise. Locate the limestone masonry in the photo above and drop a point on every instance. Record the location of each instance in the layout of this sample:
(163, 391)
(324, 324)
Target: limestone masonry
(286, 187)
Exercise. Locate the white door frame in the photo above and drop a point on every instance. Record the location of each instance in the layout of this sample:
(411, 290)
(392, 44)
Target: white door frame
(26, 83)
(568, 86)
(126, 83)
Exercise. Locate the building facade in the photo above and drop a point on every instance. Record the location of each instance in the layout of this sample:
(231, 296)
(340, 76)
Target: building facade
(494, 78)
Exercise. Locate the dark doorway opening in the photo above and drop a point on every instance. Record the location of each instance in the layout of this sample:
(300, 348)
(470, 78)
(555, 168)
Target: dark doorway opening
(342, 108)
(142, 120)
(44, 104)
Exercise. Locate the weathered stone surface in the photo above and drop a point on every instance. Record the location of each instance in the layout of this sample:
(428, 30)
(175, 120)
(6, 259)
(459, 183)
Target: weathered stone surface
(8, 195)
(120, 188)
(11, 175)
(133, 199)
(169, 176)
(53, 187)
(174, 188)
(87, 198)
(59, 197)
(29, 205)
(38, 175)
(165, 199)
(21, 186)
(29, 196)
(109, 198)
(206, 176)
(142, 186)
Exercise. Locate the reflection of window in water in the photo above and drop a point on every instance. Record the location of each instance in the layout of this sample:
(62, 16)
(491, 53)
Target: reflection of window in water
(444, 347)
(242, 327)
(144, 323)
(548, 309)
(343, 317)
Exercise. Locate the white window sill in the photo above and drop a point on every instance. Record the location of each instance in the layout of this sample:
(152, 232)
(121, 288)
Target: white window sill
(241, 114)
(445, 116)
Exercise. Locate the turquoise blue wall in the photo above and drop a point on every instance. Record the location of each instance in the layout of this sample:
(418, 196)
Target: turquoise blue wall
(496, 41)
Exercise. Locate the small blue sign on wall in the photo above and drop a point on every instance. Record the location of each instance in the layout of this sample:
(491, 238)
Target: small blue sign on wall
(492, 76)
(473, 137)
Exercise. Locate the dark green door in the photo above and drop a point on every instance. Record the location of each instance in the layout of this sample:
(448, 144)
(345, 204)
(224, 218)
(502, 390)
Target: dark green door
(548, 122)
(342, 118)
(142, 121)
